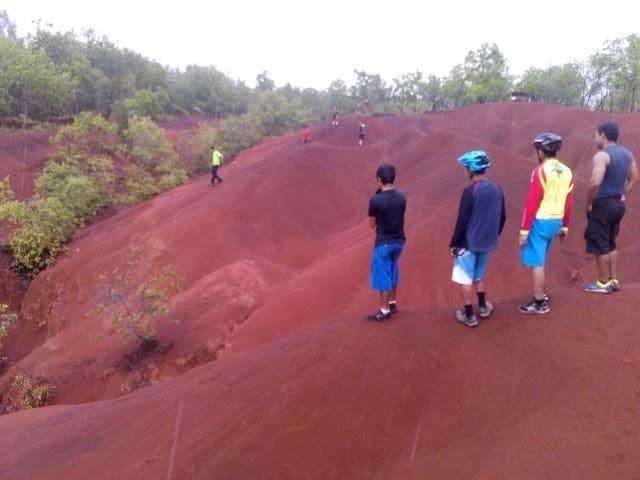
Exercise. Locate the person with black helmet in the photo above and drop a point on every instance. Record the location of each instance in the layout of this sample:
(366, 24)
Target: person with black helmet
(614, 174)
(481, 218)
(386, 215)
(547, 214)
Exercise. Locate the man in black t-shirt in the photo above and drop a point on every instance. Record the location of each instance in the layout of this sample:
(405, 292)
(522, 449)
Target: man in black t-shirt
(386, 215)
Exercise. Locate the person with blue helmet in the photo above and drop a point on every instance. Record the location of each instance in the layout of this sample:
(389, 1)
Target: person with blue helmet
(481, 218)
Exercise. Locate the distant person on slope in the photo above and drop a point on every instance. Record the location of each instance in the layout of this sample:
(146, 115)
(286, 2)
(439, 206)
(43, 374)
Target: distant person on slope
(334, 116)
(386, 215)
(481, 218)
(614, 174)
(216, 162)
(546, 215)
(306, 135)
(362, 133)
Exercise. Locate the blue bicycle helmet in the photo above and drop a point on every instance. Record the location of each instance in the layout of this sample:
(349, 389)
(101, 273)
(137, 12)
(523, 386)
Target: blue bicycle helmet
(476, 161)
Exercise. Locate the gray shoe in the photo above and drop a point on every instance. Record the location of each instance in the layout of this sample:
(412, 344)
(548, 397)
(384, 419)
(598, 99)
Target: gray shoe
(614, 285)
(485, 312)
(462, 318)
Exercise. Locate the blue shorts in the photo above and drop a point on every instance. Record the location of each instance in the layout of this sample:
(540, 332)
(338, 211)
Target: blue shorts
(534, 253)
(384, 266)
(469, 267)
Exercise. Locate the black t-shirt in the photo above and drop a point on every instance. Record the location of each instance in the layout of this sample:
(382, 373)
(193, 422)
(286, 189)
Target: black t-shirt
(388, 207)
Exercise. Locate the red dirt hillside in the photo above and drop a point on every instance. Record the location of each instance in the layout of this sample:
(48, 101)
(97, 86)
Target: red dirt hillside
(294, 384)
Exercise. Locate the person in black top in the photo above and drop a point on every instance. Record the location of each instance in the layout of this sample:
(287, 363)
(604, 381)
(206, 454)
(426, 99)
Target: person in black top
(613, 175)
(362, 132)
(386, 215)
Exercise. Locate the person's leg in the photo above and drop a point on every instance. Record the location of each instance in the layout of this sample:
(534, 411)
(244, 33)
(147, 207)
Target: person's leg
(384, 301)
(537, 275)
(395, 277)
(467, 294)
(463, 273)
(613, 264)
(603, 267)
(213, 175)
(480, 293)
(381, 281)
(533, 256)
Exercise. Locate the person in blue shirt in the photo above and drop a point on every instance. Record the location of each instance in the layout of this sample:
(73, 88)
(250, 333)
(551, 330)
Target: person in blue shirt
(481, 218)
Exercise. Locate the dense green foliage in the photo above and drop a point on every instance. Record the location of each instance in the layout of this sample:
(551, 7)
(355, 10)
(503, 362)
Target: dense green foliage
(50, 74)
(81, 179)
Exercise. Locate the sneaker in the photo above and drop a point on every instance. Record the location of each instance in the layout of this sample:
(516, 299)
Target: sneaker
(393, 307)
(462, 318)
(532, 307)
(485, 312)
(379, 316)
(598, 287)
(614, 285)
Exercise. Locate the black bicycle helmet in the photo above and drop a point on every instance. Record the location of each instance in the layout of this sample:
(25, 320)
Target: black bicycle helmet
(548, 142)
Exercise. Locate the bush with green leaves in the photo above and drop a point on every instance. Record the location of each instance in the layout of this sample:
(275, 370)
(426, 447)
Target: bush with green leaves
(84, 186)
(89, 133)
(171, 174)
(134, 298)
(41, 230)
(146, 143)
(196, 150)
(139, 185)
(236, 134)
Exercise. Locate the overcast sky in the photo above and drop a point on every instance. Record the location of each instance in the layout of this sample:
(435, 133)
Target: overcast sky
(309, 44)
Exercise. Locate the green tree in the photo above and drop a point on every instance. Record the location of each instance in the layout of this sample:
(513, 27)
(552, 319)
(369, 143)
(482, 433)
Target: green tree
(455, 88)
(371, 87)
(487, 73)
(31, 83)
(433, 93)
(264, 83)
(563, 85)
(148, 103)
(274, 114)
(408, 90)
(134, 298)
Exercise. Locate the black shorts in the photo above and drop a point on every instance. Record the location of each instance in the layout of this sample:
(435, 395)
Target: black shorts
(361, 136)
(603, 225)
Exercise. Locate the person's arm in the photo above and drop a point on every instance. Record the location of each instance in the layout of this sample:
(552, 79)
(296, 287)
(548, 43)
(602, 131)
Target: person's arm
(372, 214)
(566, 220)
(633, 176)
(458, 239)
(503, 215)
(600, 162)
(534, 197)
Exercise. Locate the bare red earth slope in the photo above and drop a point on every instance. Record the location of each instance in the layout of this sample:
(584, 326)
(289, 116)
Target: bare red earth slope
(275, 263)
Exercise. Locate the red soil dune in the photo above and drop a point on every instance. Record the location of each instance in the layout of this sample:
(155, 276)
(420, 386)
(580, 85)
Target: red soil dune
(275, 263)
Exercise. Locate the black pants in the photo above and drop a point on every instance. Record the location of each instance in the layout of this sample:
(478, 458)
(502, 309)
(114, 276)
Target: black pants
(214, 174)
(603, 225)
